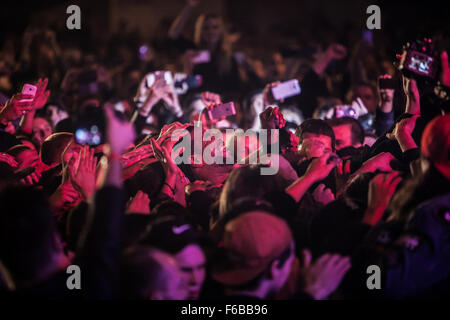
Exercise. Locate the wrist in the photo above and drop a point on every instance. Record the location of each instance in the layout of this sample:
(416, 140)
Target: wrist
(114, 156)
(316, 292)
(405, 141)
(372, 215)
(386, 106)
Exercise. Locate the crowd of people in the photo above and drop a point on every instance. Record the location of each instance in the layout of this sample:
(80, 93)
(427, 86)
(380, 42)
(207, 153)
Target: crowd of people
(363, 175)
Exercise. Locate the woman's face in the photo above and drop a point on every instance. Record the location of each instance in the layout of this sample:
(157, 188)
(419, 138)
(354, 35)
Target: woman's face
(41, 129)
(211, 32)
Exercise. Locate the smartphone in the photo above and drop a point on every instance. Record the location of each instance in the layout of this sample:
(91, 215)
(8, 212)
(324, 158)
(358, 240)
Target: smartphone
(222, 110)
(157, 75)
(286, 89)
(386, 83)
(30, 90)
(202, 57)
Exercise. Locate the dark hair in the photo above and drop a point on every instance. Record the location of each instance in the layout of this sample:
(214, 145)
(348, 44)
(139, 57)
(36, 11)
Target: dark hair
(142, 272)
(356, 128)
(357, 190)
(248, 182)
(316, 126)
(365, 84)
(417, 190)
(170, 208)
(29, 139)
(150, 180)
(53, 147)
(17, 149)
(27, 233)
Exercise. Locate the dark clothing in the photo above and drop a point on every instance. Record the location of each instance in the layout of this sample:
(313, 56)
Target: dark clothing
(98, 258)
(413, 258)
(312, 87)
(336, 228)
(213, 81)
(383, 121)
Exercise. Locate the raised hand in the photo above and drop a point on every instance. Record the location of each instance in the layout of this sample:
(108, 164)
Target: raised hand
(336, 51)
(41, 94)
(82, 172)
(210, 97)
(16, 107)
(171, 134)
(163, 154)
(323, 195)
(412, 96)
(381, 189)
(267, 93)
(402, 133)
(32, 178)
(141, 152)
(156, 92)
(139, 204)
(323, 276)
(176, 181)
(321, 167)
(170, 98)
(272, 118)
(119, 134)
(64, 195)
(4, 157)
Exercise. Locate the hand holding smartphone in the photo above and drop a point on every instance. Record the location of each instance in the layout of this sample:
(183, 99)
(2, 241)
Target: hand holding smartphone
(286, 89)
(29, 89)
(221, 110)
(202, 57)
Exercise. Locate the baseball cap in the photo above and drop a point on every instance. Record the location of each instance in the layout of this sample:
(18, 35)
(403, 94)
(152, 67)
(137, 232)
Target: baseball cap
(172, 234)
(252, 241)
(436, 144)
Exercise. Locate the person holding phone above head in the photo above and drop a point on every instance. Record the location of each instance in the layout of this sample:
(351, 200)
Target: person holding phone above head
(220, 74)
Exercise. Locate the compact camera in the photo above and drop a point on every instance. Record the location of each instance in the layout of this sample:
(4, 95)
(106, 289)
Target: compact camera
(420, 61)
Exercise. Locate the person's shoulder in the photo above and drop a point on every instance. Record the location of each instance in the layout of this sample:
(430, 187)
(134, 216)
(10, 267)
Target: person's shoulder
(432, 217)
(442, 201)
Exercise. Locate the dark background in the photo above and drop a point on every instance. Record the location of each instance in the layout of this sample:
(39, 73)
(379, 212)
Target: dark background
(255, 18)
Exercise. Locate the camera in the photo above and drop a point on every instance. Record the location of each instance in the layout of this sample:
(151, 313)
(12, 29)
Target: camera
(420, 61)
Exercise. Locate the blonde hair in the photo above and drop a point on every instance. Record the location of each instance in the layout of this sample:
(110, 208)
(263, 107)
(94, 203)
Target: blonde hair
(224, 47)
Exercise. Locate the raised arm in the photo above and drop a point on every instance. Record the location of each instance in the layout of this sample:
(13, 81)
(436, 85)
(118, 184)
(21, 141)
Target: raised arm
(177, 26)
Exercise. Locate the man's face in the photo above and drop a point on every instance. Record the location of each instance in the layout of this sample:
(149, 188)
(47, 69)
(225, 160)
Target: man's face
(314, 145)
(191, 261)
(367, 96)
(343, 134)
